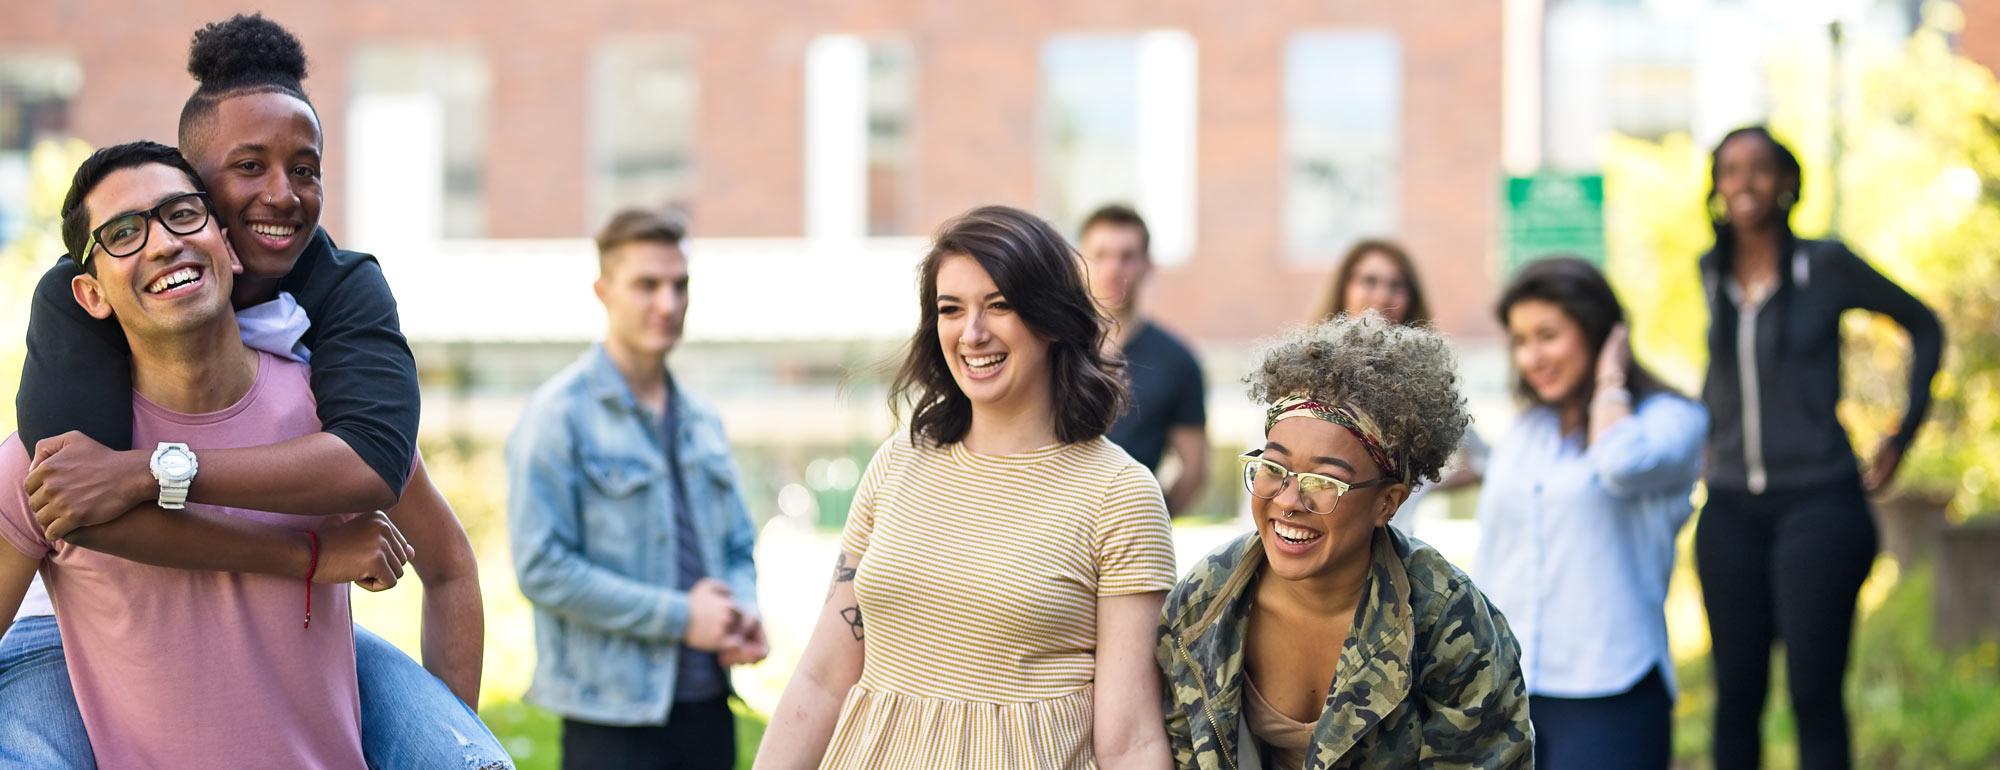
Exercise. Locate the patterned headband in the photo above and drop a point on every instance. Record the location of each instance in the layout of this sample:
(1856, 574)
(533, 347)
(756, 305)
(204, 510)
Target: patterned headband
(1301, 406)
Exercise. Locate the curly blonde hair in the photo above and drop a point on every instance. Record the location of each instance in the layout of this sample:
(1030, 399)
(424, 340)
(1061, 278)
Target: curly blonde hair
(1400, 382)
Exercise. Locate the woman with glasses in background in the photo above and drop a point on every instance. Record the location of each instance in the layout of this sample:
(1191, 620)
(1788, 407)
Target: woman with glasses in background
(1325, 637)
(1378, 275)
(1577, 521)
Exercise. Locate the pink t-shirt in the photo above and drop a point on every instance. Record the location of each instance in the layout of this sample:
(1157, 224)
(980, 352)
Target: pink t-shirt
(177, 668)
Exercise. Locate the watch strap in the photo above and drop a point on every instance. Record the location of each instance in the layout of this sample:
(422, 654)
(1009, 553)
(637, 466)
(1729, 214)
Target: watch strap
(173, 495)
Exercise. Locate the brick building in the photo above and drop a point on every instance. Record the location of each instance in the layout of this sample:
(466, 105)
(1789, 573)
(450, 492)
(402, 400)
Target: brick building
(1259, 172)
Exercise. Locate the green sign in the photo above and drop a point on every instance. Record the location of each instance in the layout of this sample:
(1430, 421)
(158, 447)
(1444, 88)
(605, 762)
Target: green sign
(1552, 214)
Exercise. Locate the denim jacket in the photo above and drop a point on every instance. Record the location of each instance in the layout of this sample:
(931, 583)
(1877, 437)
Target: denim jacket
(589, 513)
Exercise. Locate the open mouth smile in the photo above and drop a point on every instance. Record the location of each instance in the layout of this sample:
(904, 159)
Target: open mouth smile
(174, 283)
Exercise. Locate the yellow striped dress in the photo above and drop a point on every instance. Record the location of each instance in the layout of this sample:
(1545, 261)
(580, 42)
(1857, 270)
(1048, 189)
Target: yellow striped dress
(978, 584)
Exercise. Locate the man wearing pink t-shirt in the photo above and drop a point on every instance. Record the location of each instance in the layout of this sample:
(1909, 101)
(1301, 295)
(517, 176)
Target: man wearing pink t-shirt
(175, 667)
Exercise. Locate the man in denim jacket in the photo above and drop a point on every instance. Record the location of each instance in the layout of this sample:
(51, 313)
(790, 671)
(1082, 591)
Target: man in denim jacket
(629, 532)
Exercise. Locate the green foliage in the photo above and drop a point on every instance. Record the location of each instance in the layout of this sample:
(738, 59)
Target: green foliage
(534, 736)
(1925, 208)
(1918, 191)
(1910, 705)
(1921, 707)
(51, 164)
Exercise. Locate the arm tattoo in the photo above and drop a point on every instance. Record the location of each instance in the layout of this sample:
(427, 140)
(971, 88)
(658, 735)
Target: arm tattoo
(853, 617)
(841, 574)
(845, 574)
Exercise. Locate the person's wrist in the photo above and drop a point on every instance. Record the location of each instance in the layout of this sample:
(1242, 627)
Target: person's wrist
(302, 564)
(141, 487)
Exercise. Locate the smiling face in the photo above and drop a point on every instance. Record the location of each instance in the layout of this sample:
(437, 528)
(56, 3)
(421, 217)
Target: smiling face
(998, 362)
(173, 284)
(1550, 350)
(259, 155)
(1378, 284)
(1749, 180)
(1304, 544)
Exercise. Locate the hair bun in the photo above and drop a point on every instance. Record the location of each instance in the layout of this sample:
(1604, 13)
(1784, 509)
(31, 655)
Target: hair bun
(245, 48)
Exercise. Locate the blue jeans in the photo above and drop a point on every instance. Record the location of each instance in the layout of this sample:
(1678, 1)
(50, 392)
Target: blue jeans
(409, 719)
(39, 724)
(1633, 730)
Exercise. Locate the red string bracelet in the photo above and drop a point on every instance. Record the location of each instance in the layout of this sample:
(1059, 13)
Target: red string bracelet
(310, 569)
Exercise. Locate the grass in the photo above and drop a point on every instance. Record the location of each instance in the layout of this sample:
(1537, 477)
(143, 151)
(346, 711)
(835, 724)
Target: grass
(533, 736)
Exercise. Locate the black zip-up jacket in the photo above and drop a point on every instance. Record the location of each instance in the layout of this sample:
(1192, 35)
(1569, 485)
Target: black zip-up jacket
(1774, 372)
(78, 372)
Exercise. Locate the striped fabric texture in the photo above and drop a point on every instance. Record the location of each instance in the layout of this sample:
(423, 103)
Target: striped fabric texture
(978, 582)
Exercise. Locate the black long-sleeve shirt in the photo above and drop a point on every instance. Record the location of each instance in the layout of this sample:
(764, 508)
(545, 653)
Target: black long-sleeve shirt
(1774, 371)
(78, 372)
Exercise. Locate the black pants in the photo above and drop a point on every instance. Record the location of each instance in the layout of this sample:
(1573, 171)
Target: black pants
(1633, 730)
(700, 735)
(1783, 565)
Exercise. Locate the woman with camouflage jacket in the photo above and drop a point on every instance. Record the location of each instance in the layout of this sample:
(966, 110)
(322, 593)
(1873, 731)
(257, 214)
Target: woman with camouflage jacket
(1326, 639)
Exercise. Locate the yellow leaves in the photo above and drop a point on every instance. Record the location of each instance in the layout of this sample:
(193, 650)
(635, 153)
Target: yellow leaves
(51, 164)
(1656, 227)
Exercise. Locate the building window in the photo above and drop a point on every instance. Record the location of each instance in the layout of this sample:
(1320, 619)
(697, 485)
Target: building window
(35, 92)
(860, 150)
(1626, 69)
(643, 97)
(892, 81)
(1343, 140)
(417, 127)
(1118, 126)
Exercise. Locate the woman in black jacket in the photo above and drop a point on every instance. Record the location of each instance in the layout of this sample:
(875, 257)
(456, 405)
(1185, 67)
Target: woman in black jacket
(1787, 536)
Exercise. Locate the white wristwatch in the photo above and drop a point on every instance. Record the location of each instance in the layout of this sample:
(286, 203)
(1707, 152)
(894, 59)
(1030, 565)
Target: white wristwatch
(174, 466)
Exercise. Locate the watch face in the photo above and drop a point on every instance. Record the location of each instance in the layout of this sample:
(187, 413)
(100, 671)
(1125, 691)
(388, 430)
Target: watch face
(175, 464)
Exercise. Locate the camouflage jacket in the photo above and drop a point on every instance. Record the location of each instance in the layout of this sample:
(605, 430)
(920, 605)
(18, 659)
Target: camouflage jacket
(1429, 677)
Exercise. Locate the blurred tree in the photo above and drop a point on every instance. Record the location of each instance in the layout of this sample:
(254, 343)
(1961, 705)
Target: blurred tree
(1921, 198)
(1919, 184)
(51, 164)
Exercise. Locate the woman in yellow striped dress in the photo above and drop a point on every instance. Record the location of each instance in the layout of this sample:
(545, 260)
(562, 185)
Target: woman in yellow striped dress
(1003, 566)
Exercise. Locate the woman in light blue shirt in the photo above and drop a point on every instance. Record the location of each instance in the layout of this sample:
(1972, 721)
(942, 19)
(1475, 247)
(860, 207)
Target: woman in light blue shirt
(1582, 502)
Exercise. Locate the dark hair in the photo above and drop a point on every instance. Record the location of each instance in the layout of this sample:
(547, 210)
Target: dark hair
(93, 170)
(1586, 297)
(1119, 215)
(1042, 277)
(1787, 164)
(242, 55)
(1416, 313)
(637, 226)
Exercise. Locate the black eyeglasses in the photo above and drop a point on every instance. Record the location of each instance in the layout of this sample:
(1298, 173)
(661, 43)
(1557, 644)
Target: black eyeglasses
(1319, 492)
(125, 235)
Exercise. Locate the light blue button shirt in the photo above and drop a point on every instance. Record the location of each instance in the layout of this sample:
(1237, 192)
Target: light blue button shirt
(1577, 544)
